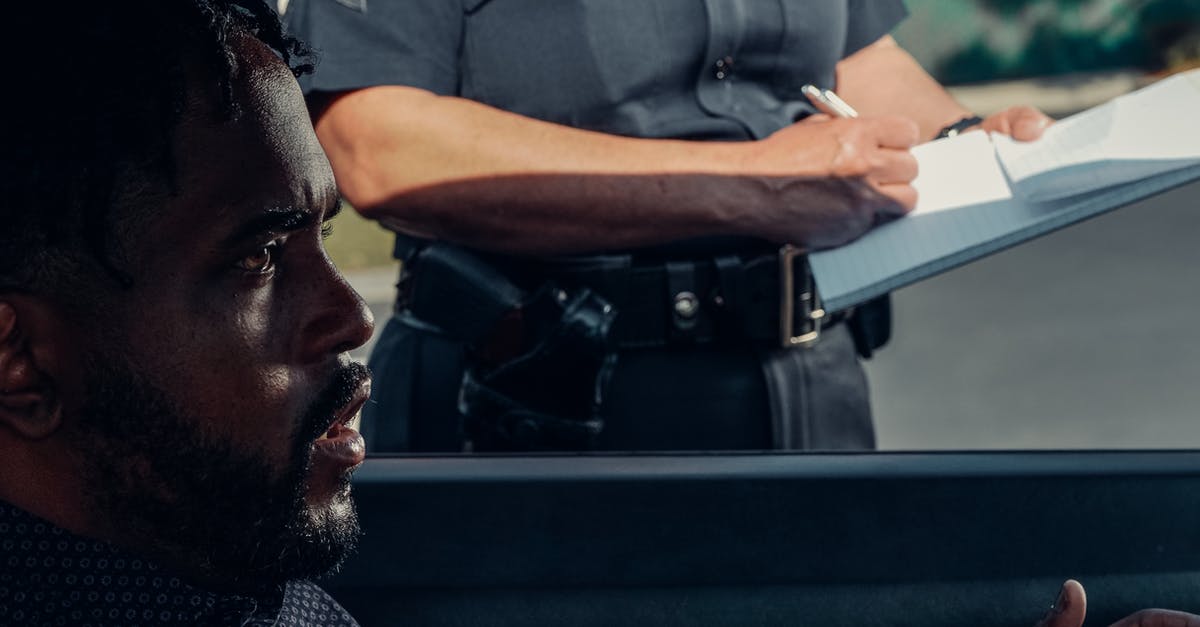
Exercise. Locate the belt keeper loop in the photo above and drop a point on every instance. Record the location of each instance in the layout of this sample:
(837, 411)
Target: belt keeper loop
(729, 299)
(810, 312)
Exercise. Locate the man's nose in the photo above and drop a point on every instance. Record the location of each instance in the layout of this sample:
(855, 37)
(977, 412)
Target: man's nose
(340, 320)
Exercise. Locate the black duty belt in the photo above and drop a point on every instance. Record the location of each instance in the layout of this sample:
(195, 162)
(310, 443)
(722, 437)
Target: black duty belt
(763, 298)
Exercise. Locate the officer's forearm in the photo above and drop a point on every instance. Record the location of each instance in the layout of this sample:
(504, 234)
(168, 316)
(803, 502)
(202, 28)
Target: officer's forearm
(460, 171)
(545, 214)
(884, 79)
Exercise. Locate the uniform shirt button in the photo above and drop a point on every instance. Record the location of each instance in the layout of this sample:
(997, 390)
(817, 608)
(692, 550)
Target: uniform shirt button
(723, 68)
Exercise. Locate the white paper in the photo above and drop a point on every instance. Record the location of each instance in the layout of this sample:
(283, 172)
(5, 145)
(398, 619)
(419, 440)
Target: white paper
(970, 206)
(1138, 135)
(957, 172)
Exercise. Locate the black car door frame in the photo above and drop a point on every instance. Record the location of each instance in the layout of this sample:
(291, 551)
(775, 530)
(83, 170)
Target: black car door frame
(771, 539)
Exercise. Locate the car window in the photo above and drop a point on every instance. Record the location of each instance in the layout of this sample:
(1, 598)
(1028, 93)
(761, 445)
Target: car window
(1082, 339)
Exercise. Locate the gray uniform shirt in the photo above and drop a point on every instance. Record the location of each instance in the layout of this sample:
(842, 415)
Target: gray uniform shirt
(721, 70)
(688, 69)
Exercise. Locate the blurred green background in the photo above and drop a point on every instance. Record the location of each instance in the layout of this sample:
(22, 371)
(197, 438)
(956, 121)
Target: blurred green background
(969, 41)
(358, 243)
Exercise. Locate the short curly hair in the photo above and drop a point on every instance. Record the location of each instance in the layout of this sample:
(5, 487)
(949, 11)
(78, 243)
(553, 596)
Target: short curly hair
(95, 92)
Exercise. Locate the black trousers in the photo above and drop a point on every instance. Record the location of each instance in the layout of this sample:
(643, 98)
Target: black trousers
(734, 396)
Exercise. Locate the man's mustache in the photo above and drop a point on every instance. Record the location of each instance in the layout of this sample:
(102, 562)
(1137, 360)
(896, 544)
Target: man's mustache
(335, 397)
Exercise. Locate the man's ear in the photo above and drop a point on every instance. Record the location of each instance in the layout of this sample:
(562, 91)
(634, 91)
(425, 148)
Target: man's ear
(29, 403)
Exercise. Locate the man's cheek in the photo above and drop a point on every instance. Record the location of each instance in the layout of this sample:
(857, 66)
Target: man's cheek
(264, 319)
(256, 410)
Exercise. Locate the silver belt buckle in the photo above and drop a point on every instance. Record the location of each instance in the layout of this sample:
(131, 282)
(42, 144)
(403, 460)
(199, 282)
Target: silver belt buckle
(810, 312)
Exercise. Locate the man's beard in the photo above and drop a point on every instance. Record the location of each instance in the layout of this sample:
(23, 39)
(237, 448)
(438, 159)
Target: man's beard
(199, 502)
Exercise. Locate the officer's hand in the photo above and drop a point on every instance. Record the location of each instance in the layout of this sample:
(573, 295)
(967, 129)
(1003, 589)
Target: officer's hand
(1071, 607)
(874, 149)
(1021, 123)
(835, 178)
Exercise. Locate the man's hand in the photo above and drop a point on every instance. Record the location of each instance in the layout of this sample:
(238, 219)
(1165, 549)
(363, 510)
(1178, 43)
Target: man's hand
(1071, 607)
(1159, 618)
(1022, 123)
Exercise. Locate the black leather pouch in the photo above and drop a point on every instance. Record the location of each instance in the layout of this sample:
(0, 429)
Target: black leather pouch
(536, 363)
(544, 391)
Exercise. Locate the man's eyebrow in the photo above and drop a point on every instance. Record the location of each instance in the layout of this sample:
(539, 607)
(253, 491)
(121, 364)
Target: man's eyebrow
(272, 222)
(334, 208)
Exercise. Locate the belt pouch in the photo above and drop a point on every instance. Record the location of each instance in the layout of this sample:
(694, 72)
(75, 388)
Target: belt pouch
(871, 325)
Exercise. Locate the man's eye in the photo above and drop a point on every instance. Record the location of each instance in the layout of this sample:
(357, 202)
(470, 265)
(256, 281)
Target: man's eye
(261, 262)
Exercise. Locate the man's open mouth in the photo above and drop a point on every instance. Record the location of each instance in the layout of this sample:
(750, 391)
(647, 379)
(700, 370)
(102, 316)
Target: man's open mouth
(348, 413)
(341, 447)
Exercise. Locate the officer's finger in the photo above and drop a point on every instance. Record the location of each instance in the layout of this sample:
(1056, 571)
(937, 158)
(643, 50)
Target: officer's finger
(816, 117)
(1027, 123)
(893, 131)
(997, 123)
(1021, 123)
(892, 165)
(903, 195)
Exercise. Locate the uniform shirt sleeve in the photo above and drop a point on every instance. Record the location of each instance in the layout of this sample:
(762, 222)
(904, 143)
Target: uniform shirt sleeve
(870, 20)
(364, 43)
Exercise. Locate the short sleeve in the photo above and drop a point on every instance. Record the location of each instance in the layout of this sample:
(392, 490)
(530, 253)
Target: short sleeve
(365, 43)
(870, 20)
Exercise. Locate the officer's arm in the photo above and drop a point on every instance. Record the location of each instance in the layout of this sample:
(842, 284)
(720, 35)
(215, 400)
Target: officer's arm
(883, 78)
(460, 171)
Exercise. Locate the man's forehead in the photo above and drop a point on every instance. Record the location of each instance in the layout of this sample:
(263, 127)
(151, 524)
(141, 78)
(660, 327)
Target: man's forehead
(264, 158)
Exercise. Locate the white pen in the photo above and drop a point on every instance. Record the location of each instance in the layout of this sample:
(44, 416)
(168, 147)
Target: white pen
(828, 102)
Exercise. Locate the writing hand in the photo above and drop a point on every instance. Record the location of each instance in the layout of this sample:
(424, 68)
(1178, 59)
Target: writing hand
(875, 149)
(835, 178)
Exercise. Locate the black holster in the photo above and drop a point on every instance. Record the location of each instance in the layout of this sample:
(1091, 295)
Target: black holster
(537, 361)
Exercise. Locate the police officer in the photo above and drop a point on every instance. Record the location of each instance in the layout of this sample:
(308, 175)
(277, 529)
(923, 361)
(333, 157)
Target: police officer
(656, 154)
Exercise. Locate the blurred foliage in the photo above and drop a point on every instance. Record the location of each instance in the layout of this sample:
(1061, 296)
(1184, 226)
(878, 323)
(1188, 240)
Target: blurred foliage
(357, 243)
(999, 39)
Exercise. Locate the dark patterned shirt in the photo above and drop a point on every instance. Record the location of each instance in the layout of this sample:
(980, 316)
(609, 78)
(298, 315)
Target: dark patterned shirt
(49, 576)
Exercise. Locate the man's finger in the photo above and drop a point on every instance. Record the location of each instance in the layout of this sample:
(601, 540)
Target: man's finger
(1070, 608)
(1159, 618)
